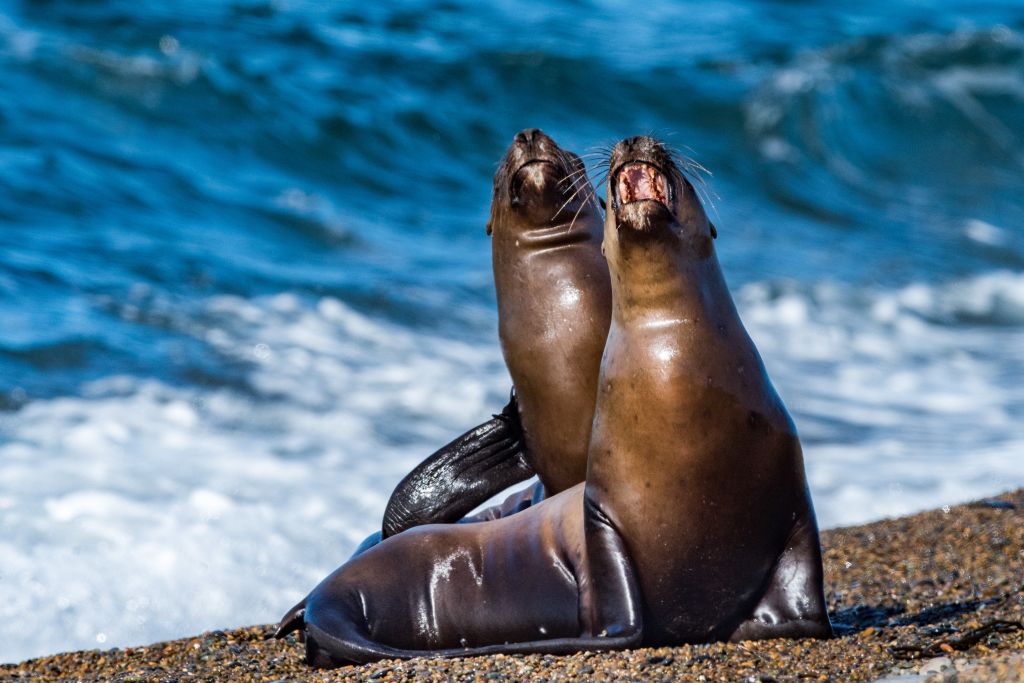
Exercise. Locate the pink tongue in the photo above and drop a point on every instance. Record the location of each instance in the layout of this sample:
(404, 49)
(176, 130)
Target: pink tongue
(642, 188)
(638, 182)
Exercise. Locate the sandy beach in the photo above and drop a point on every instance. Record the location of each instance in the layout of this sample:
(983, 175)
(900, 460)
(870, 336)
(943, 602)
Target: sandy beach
(936, 596)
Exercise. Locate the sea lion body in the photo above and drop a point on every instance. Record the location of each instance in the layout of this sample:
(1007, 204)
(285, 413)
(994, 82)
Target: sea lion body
(554, 307)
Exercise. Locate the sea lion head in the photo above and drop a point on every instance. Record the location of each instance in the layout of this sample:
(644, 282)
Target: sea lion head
(538, 184)
(651, 201)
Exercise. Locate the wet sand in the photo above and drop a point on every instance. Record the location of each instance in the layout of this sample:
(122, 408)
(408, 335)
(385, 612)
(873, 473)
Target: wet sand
(937, 596)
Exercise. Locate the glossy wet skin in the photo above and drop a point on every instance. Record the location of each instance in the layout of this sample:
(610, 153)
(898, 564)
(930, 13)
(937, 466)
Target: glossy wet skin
(693, 456)
(554, 303)
(554, 299)
(694, 523)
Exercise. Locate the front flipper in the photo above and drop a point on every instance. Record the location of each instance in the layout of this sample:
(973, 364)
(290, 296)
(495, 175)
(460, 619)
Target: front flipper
(610, 600)
(461, 475)
(793, 603)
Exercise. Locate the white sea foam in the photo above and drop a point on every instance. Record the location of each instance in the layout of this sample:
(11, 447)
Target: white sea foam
(139, 511)
(142, 511)
(905, 399)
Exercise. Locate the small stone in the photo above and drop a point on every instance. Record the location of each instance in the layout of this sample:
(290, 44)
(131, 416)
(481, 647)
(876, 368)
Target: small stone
(936, 665)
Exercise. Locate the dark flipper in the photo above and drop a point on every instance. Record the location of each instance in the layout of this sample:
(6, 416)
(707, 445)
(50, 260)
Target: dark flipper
(610, 600)
(793, 604)
(292, 621)
(460, 476)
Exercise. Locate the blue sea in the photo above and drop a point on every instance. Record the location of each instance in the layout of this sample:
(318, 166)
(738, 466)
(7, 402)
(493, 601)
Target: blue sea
(245, 283)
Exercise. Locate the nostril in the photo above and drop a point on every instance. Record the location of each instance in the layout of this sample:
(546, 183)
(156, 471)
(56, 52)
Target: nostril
(529, 136)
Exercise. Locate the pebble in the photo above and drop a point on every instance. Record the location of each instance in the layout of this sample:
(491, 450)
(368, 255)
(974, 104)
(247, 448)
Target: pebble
(936, 665)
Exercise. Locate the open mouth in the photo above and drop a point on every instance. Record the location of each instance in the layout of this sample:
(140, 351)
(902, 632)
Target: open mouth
(638, 180)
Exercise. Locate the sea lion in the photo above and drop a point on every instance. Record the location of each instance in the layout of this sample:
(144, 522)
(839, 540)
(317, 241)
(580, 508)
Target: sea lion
(554, 308)
(694, 523)
(693, 457)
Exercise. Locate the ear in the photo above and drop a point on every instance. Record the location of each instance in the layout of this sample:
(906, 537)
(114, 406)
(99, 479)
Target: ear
(714, 230)
(488, 227)
(600, 200)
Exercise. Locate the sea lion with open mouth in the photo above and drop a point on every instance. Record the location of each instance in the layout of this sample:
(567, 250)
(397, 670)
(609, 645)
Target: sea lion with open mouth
(693, 458)
(694, 524)
(554, 306)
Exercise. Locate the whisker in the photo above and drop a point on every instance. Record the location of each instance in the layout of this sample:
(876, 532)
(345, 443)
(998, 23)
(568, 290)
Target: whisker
(573, 178)
(567, 202)
(569, 160)
(575, 174)
(603, 149)
(695, 172)
(572, 222)
(587, 199)
(600, 180)
(582, 181)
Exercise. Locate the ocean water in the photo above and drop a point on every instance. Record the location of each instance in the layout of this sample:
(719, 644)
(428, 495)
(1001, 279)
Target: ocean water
(245, 285)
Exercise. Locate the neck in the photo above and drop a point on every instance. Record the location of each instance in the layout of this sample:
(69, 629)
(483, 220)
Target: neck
(667, 282)
(584, 228)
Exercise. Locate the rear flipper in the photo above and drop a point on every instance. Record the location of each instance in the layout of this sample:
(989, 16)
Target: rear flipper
(793, 603)
(292, 621)
(461, 475)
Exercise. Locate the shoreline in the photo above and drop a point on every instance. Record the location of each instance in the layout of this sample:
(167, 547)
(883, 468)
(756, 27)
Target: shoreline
(907, 596)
